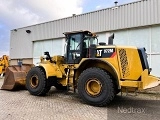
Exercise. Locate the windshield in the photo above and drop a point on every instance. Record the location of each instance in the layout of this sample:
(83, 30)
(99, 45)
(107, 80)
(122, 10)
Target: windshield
(75, 40)
(90, 40)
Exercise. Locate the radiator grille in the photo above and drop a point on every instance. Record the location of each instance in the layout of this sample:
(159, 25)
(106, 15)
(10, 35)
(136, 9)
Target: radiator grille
(124, 62)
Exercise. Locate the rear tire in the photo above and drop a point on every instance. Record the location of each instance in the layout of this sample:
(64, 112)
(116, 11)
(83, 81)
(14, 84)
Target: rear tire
(96, 87)
(36, 82)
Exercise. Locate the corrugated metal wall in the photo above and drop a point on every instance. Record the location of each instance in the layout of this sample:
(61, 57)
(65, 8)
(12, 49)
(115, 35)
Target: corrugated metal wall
(141, 13)
(20, 44)
(136, 14)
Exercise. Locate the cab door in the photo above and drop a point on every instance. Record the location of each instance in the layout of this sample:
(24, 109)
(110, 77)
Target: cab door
(74, 48)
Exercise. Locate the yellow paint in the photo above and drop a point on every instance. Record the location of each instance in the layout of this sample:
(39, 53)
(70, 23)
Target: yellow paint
(129, 83)
(149, 81)
(146, 81)
(128, 70)
(4, 63)
(52, 70)
(93, 87)
(133, 69)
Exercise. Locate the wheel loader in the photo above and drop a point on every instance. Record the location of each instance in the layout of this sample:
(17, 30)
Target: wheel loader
(4, 63)
(98, 71)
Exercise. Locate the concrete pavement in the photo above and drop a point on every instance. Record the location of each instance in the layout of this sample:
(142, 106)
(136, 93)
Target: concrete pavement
(57, 105)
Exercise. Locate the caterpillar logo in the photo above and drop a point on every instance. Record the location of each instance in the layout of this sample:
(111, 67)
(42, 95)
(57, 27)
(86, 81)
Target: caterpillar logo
(109, 52)
(99, 52)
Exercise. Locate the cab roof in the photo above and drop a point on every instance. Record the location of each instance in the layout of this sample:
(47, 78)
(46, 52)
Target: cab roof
(81, 31)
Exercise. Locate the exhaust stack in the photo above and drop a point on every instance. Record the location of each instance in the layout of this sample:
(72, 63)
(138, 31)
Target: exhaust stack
(110, 39)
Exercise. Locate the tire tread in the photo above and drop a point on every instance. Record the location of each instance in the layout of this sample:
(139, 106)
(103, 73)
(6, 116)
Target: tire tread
(108, 81)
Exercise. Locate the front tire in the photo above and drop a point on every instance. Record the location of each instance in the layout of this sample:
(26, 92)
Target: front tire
(96, 87)
(36, 82)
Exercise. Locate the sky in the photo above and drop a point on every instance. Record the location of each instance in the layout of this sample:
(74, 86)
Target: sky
(20, 13)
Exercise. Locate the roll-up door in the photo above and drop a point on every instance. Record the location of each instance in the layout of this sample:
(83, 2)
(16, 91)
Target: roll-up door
(54, 47)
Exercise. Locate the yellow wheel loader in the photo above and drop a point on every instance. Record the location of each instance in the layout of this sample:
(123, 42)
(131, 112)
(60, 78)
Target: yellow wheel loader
(97, 70)
(4, 63)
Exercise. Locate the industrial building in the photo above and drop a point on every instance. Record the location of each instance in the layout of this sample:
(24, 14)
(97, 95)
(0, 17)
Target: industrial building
(134, 24)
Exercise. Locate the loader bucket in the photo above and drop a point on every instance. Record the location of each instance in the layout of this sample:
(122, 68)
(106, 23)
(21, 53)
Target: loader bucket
(15, 77)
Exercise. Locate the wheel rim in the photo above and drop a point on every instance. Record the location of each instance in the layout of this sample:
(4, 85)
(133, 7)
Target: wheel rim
(93, 87)
(34, 81)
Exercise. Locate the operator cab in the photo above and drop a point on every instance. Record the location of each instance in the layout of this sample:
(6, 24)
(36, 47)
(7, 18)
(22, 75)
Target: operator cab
(78, 44)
